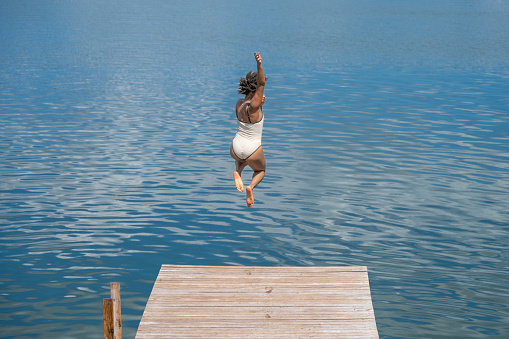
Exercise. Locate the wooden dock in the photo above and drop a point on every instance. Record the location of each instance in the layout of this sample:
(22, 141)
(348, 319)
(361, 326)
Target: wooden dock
(259, 302)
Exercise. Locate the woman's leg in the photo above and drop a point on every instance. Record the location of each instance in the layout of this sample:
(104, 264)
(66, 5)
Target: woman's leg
(239, 166)
(257, 162)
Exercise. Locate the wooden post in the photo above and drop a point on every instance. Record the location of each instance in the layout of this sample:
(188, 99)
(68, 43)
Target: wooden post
(108, 318)
(117, 320)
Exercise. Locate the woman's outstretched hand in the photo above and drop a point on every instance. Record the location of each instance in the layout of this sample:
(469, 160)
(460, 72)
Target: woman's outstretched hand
(258, 58)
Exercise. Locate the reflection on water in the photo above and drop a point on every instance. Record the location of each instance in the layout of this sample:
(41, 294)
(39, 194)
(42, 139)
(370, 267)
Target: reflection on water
(115, 157)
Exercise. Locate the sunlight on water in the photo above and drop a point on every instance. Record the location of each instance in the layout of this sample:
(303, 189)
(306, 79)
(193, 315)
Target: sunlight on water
(386, 142)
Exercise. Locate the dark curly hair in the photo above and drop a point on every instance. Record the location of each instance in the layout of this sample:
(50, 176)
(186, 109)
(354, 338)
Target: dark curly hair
(248, 84)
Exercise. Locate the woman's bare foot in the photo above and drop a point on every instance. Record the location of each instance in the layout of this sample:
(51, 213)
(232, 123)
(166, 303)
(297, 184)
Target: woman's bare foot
(238, 181)
(249, 196)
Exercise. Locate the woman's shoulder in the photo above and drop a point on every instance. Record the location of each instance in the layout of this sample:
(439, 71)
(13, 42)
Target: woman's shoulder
(240, 102)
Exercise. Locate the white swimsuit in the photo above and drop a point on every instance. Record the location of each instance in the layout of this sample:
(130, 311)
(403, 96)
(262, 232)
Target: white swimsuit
(248, 138)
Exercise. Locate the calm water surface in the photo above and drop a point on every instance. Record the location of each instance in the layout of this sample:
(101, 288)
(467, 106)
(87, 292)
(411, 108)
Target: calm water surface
(386, 137)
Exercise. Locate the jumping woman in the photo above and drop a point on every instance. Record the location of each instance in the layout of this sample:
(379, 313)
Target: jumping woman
(246, 147)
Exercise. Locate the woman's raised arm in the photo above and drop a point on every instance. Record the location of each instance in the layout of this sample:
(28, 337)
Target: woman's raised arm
(257, 100)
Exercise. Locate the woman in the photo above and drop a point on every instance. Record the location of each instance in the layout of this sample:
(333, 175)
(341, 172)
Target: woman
(246, 147)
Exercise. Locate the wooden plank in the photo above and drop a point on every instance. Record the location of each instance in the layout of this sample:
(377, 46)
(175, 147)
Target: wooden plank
(178, 314)
(108, 318)
(294, 331)
(260, 269)
(259, 302)
(117, 318)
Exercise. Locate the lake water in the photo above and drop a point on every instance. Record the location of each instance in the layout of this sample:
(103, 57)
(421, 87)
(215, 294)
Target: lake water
(386, 137)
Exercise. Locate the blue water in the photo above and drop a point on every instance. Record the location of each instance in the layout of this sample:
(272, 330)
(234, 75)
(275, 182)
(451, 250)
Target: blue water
(386, 138)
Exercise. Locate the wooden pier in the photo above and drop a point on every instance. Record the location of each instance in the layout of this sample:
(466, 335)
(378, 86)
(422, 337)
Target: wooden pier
(259, 302)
